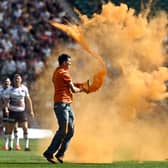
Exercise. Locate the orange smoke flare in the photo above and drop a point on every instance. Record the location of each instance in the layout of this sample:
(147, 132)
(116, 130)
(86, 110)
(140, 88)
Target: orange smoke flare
(74, 32)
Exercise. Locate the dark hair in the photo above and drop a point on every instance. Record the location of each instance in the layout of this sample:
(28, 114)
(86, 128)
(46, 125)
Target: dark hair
(6, 78)
(63, 58)
(17, 75)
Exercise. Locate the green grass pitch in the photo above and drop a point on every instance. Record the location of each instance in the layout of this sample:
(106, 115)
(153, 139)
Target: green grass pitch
(22, 159)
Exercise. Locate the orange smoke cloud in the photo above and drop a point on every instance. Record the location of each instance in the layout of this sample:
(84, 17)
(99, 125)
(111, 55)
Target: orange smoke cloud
(126, 119)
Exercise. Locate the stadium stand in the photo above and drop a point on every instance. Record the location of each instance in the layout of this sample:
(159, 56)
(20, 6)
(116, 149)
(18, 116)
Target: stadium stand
(26, 37)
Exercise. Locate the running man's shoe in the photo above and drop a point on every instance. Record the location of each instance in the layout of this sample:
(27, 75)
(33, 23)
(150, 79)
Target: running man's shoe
(59, 158)
(49, 157)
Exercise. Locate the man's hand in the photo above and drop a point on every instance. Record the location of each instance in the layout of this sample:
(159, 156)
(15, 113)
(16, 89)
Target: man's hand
(85, 87)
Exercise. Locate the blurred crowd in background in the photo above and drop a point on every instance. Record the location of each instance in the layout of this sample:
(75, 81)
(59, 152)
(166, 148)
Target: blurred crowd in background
(26, 37)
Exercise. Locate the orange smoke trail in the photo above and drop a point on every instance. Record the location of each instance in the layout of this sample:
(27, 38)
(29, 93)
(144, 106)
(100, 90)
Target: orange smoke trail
(75, 33)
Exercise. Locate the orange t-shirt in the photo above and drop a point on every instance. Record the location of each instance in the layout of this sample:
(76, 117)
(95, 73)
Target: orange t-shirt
(61, 79)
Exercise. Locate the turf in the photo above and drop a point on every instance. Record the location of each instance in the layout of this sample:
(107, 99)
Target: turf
(22, 159)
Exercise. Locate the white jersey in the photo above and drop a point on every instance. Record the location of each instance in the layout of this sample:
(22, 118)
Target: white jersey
(3, 95)
(17, 98)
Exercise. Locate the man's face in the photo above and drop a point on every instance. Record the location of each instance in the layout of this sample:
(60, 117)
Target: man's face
(17, 80)
(67, 63)
(7, 83)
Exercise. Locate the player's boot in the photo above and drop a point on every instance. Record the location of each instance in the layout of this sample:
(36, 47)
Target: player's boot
(10, 149)
(5, 148)
(18, 147)
(27, 149)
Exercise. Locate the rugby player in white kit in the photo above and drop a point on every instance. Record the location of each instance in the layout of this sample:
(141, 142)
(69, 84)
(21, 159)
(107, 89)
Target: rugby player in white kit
(18, 100)
(4, 89)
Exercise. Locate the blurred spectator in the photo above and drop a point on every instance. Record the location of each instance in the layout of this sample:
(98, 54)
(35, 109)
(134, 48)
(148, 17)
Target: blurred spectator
(38, 65)
(21, 66)
(7, 43)
(9, 66)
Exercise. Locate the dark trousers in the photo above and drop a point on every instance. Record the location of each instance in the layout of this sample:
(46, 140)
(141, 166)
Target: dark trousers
(65, 130)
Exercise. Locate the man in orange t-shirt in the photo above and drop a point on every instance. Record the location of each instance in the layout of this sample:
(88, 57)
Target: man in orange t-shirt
(64, 87)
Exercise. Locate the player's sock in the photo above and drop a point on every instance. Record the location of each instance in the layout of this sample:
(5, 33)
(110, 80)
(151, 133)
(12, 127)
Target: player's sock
(26, 140)
(10, 142)
(16, 139)
(6, 141)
